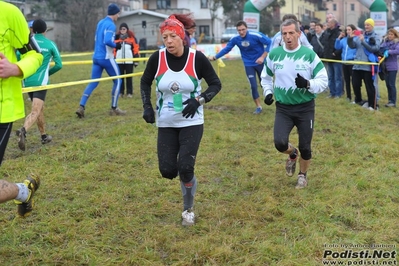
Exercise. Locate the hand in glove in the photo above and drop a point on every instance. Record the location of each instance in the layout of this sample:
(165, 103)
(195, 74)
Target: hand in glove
(386, 53)
(269, 99)
(149, 115)
(301, 82)
(191, 108)
(118, 46)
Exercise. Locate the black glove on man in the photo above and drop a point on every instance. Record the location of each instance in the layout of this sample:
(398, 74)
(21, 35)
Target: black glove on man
(191, 108)
(148, 114)
(269, 99)
(118, 46)
(301, 82)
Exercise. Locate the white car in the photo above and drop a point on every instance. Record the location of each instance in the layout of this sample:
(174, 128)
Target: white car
(228, 34)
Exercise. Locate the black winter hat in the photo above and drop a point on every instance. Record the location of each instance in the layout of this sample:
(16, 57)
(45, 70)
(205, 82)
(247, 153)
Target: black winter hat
(113, 9)
(123, 25)
(39, 26)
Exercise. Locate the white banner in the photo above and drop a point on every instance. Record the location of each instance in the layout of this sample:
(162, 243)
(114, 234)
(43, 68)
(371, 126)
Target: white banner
(212, 49)
(380, 23)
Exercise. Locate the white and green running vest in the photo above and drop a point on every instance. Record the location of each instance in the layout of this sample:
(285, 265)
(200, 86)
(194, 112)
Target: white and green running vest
(169, 83)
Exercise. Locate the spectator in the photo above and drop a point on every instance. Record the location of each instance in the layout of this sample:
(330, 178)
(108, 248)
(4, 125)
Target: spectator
(191, 33)
(390, 46)
(311, 32)
(306, 29)
(330, 16)
(254, 47)
(366, 45)
(348, 54)
(316, 39)
(129, 49)
(334, 69)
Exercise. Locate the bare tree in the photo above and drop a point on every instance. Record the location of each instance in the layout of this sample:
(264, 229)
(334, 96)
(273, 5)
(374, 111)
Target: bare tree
(83, 15)
(213, 6)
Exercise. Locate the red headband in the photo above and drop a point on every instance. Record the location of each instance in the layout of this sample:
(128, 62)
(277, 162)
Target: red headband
(174, 25)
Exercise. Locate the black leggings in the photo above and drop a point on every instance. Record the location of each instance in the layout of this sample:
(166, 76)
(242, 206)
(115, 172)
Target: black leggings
(347, 71)
(5, 131)
(288, 116)
(177, 150)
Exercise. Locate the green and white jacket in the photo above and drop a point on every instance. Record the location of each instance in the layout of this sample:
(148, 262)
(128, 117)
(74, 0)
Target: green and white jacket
(50, 52)
(281, 69)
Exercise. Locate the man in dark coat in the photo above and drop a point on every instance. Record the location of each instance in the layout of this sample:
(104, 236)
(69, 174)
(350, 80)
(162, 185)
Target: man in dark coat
(334, 69)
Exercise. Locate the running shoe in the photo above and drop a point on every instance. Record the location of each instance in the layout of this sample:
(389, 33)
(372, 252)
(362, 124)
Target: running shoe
(46, 139)
(80, 112)
(33, 184)
(302, 182)
(290, 166)
(116, 111)
(258, 110)
(188, 217)
(21, 133)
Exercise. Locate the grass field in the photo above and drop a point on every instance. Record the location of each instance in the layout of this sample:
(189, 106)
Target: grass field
(102, 200)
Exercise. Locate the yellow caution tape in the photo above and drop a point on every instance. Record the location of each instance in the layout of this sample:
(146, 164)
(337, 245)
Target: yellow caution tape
(72, 83)
(89, 53)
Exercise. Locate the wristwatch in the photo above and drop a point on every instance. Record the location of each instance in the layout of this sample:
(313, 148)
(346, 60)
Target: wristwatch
(308, 85)
(201, 100)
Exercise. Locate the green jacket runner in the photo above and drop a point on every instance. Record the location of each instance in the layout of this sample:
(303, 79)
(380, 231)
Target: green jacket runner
(50, 52)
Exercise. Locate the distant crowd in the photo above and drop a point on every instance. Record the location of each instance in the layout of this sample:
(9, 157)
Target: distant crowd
(336, 42)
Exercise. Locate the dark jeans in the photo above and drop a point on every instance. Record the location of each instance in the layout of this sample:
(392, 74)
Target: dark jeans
(126, 69)
(334, 73)
(347, 71)
(357, 77)
(390, 81)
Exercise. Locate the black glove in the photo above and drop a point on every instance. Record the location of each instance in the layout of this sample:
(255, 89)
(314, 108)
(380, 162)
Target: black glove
(149, 115)
(269, 99)
(191, 108)
(118, 46)
(301, 82)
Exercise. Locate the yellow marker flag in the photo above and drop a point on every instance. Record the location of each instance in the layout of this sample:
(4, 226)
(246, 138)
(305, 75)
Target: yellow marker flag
(220, 63)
